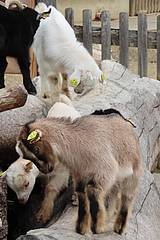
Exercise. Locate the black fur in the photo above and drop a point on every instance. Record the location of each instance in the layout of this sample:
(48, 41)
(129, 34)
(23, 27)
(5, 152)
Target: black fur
(17, 29)
(81, 208)
(109, 112)
(122, 219)
(81, 212)
(21, 218)
(94, 208)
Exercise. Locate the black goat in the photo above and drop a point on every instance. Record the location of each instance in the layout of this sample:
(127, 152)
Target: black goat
(17, 29)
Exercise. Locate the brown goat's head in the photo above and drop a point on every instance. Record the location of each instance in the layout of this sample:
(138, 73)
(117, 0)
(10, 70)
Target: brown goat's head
(33, 144)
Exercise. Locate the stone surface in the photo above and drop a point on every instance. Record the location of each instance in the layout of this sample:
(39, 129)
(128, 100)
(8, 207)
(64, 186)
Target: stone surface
(139, 101)
(3, 209)
(11, 121)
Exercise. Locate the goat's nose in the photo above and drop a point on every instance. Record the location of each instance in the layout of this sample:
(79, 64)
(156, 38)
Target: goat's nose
(50, 168)
(22, 200)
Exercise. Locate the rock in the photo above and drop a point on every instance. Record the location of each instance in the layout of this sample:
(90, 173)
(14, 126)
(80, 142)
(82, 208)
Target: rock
(3, 209)
(11, 121)
(138, 99)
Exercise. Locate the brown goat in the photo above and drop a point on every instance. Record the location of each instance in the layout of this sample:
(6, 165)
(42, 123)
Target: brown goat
(100, 151)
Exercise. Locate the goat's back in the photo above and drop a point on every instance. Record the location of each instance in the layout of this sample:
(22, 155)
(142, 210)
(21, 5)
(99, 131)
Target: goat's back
(96, 138)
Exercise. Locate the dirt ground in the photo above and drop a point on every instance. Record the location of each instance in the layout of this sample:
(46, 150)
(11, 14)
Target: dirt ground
(133, 59)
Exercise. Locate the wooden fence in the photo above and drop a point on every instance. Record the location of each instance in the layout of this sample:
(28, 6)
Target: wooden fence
(122, 37)
(149, 6)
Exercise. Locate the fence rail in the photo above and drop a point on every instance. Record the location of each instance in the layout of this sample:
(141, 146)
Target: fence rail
(122, 37)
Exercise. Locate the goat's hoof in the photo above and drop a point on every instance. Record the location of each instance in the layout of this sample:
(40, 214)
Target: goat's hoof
(100, 229)
(82, 230)
(32, 90)
(118, 228)
(83, 227)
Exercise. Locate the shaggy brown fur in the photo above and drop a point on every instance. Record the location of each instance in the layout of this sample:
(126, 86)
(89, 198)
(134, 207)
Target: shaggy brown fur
(99, 151)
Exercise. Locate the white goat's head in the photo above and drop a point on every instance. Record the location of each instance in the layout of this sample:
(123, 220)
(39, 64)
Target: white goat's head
(20, 177)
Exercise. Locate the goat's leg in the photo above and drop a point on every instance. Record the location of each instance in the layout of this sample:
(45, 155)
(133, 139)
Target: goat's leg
(3, 65)
(84, 219)
(24, 65)
(45, 212)
(57, 183)
(96, 197)
(65, 87)
(128, 194)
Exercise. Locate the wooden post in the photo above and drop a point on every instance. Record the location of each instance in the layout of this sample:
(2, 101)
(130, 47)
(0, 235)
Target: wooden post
(105, 35)
(48, 2)
(3, 209)
(12, 98)
(87, 30)
(158, 47)
(132, 7)
(142, 45)
(69, 15)
(123, 38)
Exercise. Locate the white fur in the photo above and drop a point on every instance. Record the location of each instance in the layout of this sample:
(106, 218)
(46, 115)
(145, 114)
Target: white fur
(61, 109)
(17, 177)
(58, 51)
(41, 7)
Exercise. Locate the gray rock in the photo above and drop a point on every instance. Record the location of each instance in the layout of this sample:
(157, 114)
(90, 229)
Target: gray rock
(12, 120)
(139, 101)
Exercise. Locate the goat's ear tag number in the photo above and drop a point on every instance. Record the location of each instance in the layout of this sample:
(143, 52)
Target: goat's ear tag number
(34, 136)
(73, 82)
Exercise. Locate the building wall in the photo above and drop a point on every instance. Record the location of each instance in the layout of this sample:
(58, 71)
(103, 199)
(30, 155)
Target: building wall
(114, 6)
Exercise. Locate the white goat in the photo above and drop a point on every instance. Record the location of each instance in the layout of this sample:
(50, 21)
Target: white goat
(58, 51)
(21, 176)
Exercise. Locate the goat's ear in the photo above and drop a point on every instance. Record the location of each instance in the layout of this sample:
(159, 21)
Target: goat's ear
(34, 136)
(19, 147)
(24, 132)
(28, 167)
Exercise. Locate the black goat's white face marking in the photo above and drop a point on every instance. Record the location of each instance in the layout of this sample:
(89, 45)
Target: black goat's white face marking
(44, 15)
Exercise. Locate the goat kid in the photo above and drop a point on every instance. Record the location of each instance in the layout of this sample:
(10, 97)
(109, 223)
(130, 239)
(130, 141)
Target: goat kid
(100, 151)
(17, 29)
(21, 175)
(58, 51)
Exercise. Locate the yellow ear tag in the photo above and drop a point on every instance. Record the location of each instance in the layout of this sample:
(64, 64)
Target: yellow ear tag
(33, 136)
(45, 15)
(2, 173)
(73, 82)
(104, 77)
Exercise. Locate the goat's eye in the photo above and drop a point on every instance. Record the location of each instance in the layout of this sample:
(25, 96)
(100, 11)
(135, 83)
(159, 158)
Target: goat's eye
(36, 150)
(26, 184)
